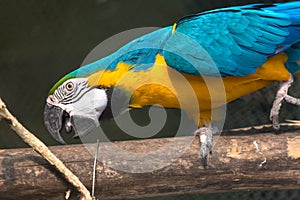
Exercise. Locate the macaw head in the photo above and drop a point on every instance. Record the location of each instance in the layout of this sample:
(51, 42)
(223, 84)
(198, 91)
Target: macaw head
(78, 103)
(75, 104)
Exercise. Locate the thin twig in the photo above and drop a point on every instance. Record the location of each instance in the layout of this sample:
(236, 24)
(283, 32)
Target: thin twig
(42, 149)
(94, 170)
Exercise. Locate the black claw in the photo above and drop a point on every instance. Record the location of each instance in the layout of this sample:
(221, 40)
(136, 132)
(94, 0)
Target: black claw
(277, 131)
(203, 153)
(204, 162)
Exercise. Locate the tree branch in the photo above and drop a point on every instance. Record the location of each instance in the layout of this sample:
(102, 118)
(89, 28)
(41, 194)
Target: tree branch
(238, 163)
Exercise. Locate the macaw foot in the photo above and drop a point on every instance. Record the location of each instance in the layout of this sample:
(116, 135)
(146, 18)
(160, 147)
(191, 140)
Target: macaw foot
(282, 95)
(206, 134)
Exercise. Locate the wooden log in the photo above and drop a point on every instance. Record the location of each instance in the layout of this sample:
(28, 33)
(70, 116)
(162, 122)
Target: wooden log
(238, 163)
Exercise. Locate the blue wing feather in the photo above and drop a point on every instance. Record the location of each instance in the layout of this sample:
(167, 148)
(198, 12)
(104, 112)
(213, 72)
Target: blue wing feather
(248, 34)
(228, 42)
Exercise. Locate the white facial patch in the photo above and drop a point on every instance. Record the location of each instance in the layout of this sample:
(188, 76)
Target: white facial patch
(91, 104)
(86, 111)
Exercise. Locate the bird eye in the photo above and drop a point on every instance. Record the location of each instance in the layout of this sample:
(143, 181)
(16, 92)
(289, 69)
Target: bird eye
(70, 86)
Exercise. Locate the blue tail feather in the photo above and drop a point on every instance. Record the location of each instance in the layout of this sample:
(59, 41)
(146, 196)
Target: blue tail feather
(293, 54)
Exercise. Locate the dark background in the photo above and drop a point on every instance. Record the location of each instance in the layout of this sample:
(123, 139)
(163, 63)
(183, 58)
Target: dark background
(42, 40)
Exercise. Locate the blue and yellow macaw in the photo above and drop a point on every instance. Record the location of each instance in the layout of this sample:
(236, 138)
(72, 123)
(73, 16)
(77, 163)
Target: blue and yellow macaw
(246, 48)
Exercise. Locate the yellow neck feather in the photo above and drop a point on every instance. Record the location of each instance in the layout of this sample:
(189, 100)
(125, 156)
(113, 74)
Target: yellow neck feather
(108, 78)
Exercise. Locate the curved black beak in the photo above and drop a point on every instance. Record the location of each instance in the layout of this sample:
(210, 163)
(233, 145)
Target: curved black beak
(53, 119)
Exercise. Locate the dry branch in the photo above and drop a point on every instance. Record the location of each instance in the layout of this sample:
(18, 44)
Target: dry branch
(238, 163)
(41, 148)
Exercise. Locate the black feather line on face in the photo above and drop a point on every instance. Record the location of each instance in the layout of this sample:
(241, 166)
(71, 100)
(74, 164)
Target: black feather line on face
(116, 97)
